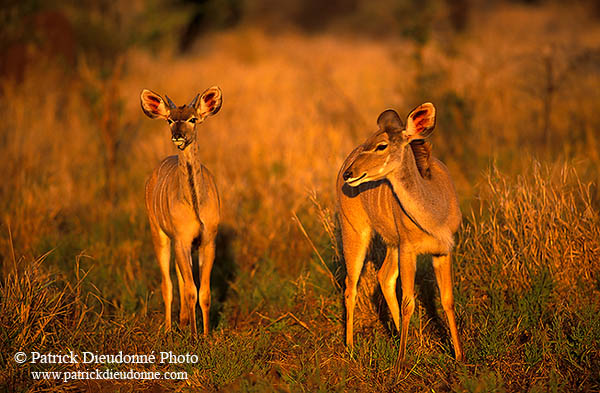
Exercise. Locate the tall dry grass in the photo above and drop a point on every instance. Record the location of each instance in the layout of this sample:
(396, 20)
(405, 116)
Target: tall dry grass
(544, 221)
(527, 266)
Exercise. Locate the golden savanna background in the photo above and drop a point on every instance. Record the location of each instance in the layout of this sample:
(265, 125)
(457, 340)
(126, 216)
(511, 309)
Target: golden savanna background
(516, 85)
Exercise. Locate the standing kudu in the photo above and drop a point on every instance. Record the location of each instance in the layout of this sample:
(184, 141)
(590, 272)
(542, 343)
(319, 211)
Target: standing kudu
(183, 204)
(391, 185)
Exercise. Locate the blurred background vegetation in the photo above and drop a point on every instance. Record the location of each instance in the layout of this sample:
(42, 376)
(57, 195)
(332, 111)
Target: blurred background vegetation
(517, 88)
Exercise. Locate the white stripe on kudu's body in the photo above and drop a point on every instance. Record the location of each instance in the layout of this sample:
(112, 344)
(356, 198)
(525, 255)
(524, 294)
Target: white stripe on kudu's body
(390, 185)
(182, 203)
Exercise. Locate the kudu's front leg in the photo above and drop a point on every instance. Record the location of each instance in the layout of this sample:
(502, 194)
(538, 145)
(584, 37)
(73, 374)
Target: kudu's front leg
(162, 248)
(183, 256)
(206, 257)
(355, 246)
(408, 268)
(388, 276)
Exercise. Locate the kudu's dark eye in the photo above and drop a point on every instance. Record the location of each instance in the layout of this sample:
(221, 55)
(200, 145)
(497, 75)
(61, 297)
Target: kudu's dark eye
(381, 147)
(193, 120)
(169, 121)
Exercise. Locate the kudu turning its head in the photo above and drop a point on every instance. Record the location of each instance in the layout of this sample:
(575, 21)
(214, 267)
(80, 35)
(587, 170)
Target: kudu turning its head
(391, 185)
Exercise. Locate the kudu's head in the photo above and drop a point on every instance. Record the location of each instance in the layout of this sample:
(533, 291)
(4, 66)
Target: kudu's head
(184, 119)
(382, 153)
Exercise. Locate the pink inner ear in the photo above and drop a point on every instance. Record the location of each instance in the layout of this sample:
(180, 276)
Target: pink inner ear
(211, 104)
(152, 103)
(209, 100)
(421, 125)
(421, 120)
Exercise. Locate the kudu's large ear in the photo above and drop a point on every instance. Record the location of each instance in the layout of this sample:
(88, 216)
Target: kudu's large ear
(421, 121)
(209, 102)
(153, 105)
(389, 120)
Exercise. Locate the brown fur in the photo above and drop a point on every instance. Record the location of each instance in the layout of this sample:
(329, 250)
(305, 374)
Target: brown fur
(422, 151)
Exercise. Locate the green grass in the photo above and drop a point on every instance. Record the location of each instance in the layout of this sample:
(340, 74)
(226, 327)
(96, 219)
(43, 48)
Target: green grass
(523, 329)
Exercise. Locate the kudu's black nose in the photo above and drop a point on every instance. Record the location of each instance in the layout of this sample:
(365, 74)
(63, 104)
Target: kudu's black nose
(347, 175)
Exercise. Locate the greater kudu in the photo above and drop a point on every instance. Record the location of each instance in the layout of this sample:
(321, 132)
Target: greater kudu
(391, 185)
(182, 203)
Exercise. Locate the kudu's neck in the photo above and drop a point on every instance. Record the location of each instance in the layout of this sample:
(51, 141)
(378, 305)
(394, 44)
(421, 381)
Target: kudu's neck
(426, 205)
(190, 175)
(189, 154)
(407, 174)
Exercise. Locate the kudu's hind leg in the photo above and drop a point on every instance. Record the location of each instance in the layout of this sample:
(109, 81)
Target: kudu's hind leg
(355, 246)
(162, 248)
(183, 258)
(206, 258)
(443, 274)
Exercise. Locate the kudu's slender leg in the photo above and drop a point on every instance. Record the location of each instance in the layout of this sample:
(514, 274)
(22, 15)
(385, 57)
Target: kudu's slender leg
(355, 250)
(388, 276)
(408, 267)
(162, 248)
(206, 257)
(443, 274)
(183, 311)
(183, 257)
